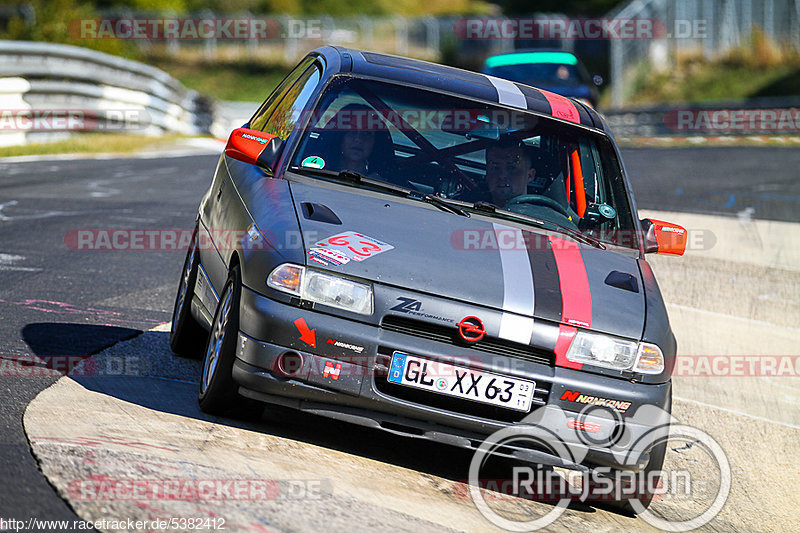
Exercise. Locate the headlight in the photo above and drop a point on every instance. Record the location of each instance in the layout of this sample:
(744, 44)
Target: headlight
(602, 350)
(326, 289)
(618, 354)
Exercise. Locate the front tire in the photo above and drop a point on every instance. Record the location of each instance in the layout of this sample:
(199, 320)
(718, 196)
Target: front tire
(186, 336)
(218, 391)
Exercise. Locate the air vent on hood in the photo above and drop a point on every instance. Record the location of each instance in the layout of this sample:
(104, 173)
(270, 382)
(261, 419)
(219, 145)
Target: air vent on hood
(319, 212)
(622, 280)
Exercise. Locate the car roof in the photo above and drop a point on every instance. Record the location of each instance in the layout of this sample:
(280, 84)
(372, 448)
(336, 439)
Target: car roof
(468, 84)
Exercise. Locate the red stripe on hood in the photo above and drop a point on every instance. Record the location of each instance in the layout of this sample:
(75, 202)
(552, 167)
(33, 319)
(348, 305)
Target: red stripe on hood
(576, 298)
(565, 336)
(561, 107)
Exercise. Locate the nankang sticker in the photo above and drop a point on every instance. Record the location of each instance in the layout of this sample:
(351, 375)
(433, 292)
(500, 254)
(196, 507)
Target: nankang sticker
(345, 247)
(575, 396)
(339, 344)
(254, 138)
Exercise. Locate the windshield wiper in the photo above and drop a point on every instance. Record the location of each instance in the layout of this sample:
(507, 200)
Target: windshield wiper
(360, 179)
(486, 207)
(353, 177)
(439, 202)
(578, 236)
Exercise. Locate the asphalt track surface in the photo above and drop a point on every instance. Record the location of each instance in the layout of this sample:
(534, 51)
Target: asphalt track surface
(56, 301)
(718, 181)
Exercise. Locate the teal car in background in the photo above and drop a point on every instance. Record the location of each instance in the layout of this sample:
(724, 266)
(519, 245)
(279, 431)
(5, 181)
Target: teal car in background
(556, 71)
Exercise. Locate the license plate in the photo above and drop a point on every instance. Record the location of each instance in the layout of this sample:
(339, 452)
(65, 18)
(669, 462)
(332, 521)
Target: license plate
(461, 382)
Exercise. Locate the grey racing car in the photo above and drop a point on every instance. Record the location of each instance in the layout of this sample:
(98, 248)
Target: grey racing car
(432, 252)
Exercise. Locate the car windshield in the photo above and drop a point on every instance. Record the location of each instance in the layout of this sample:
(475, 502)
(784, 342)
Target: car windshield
(489, 160)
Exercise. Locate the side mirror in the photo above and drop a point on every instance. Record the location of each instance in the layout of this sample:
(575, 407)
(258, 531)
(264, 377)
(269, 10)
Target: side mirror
(663, 237)
(254, 147)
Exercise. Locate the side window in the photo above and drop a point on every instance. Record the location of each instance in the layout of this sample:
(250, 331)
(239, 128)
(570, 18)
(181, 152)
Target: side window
(260, 118)
(290, 109)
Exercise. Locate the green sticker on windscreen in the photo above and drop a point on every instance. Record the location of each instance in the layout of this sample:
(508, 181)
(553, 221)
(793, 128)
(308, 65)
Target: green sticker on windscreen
(313, 161)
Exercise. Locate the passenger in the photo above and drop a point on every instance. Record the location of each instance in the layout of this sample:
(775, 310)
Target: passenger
(357, 139)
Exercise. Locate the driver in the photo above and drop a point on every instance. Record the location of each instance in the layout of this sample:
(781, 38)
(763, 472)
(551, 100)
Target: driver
(514, 169)
(509, 170)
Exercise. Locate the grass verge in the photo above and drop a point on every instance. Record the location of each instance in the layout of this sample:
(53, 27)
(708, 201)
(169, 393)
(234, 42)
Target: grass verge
(755, 70)
(705, 82)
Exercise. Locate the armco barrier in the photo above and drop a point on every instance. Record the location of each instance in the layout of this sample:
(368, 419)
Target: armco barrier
(109, 93)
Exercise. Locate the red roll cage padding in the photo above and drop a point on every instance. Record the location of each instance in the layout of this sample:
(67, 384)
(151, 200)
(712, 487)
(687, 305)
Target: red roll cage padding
(576, 173)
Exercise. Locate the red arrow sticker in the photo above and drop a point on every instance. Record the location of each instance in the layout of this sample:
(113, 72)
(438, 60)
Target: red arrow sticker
(306, 334)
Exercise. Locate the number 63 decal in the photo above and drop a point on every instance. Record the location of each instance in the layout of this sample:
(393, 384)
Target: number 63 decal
(354, 246)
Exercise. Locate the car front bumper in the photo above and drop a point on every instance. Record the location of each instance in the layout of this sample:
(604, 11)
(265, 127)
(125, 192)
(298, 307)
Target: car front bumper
(342, 375)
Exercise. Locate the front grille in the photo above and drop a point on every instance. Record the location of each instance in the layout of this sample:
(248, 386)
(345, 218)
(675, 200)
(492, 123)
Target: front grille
(449, 403)
(449, 335)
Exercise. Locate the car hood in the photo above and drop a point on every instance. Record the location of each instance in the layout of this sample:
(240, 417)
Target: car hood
(412, 245)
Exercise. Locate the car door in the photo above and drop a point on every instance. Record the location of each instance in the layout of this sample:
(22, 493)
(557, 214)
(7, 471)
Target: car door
(224, 217)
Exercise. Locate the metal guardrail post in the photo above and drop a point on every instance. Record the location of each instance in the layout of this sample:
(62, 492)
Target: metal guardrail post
(367, 31)
(252, 40)
(617, 81)
(796, 24)
(173, 44)
(401, 35)
(432, 36)
(289, 42)
(769, 18)
(747, 18)
(210, 44)
(708, 42)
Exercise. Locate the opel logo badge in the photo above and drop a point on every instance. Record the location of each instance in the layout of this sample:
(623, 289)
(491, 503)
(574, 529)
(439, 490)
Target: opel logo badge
(471, 329)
